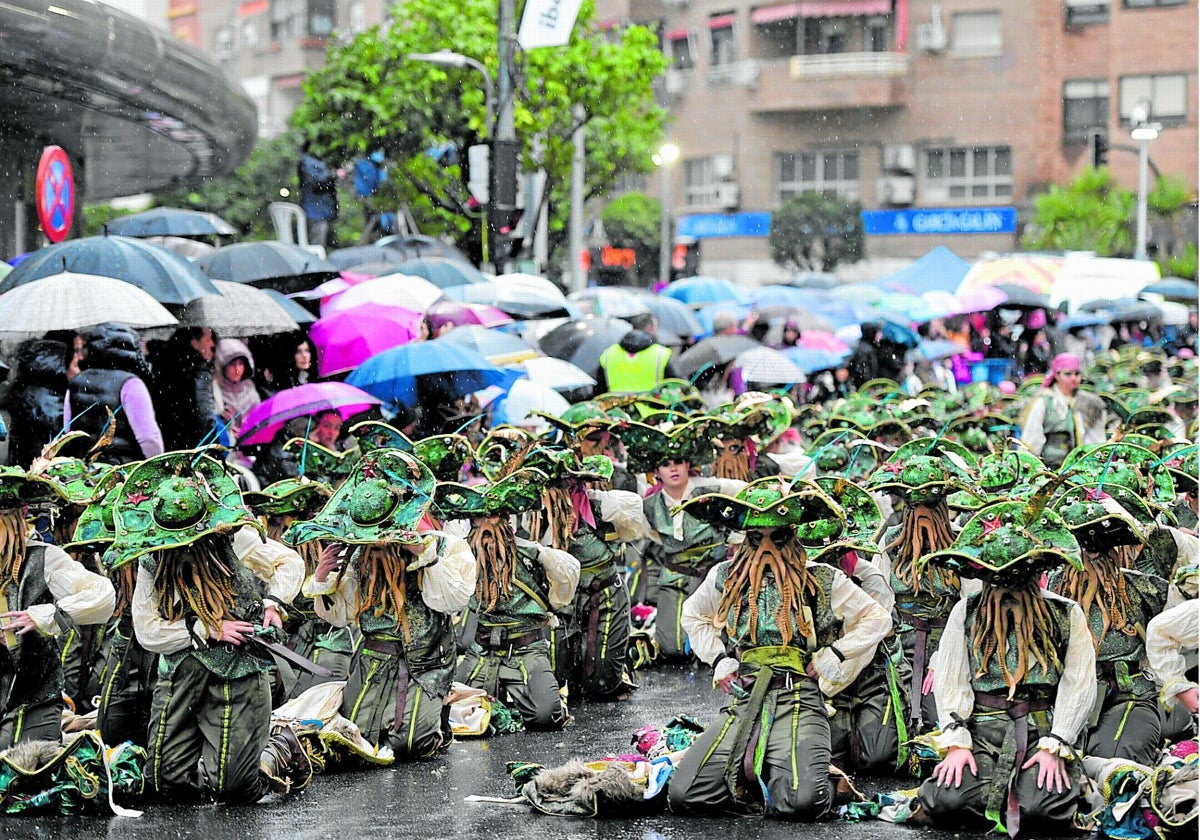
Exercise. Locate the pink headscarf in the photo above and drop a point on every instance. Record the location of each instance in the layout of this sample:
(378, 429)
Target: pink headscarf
(1036, 319)
(1063, 361)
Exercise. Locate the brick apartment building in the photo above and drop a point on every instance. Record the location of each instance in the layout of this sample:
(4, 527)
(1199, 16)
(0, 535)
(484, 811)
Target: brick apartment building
(968, 107)
(908, 105)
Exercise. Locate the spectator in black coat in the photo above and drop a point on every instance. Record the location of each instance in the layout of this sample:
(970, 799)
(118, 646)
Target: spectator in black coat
(36, 398)
(183, 387)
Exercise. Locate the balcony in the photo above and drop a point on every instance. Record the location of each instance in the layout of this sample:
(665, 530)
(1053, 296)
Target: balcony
(736, 73)
(831, 82)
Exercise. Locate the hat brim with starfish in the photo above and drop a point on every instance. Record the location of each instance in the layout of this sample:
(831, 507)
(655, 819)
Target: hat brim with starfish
(519, 492)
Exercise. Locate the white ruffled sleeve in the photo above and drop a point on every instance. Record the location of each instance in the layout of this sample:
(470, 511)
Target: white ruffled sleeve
(279, 567)
(1166, 637)
(699, 619)
(448, 584)
(952, 687)
(1076, 687)
(864, 624)
(335, 599)
(154, 632)
(84, 597)
(623, 510)
(562, 573)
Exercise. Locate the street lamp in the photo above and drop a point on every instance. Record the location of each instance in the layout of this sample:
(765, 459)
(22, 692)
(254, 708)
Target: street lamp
(447, 58)
(664, 158)
(1143, 131)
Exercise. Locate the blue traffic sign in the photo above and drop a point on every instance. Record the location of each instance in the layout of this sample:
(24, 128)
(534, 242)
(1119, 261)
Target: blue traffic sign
(940, 221)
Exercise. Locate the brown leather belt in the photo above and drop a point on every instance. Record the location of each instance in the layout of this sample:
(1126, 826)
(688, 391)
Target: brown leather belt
(396, 649)
(498, 641)
(1018, 711)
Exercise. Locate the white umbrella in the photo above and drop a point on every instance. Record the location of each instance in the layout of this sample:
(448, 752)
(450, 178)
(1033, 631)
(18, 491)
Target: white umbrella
(770, 367)
(403, 290)
(529, 294)
(70, 301)
(1173, 314)
(239, 311)
(609, 300)
(523, 399)
(193, 249)
(556, 374)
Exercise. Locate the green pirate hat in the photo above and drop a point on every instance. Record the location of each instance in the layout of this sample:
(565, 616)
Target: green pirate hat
(560, 464)
(1181, 463)
(673, 393)
(767, 503)
(845, 453)
(578, 419)
(81, 482)
(288, 496)
(445, 455)
(1009, 543)
(1152, 421)
(864, 520)
(649, 447)
(381, 501)
(729, 422)
(96, 528)
(1127, 464)
(1000, 475)
(172, 500)
(500, 446)
(516, 493)
(18, 488)
(1103, 518)
(777, 413)
(925, 469)
(889, 426)
(979, 432)
(1030, 385)
(319, 463)
(375, 434)
(875, 388)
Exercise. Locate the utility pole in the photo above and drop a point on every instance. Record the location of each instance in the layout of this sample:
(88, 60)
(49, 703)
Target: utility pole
(505, 150)
(577, 278)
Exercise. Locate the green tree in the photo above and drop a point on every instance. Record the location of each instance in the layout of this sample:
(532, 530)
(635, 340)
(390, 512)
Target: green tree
(814, 232)
(1092, 213)
(369, 95)
(635, 221)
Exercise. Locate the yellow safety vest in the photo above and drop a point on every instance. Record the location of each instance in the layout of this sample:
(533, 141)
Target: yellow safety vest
(637, 372)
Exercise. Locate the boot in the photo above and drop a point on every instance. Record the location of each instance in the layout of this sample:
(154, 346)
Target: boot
(284, 764)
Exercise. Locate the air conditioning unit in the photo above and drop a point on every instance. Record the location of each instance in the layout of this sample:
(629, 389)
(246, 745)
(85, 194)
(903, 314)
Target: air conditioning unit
(896, 190)
(728, 195)
(674, 82)
(722, 166)
(900, 159)
(678, 4)
(931, 37)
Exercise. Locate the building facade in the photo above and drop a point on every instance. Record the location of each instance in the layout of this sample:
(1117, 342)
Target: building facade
(269, 45)
(944, 119)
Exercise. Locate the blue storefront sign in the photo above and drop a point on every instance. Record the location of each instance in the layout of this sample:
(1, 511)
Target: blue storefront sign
(940, 221)
(710, 225)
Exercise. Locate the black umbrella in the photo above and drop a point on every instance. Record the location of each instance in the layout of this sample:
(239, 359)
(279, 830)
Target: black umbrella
(1174, 288)
(717, 350)
(170, 221)
(347, 258)
(165, 276)
(418, 245)
(1021, 298)
(288, 268)
(374, 269)
(298, 313)
(581, 342)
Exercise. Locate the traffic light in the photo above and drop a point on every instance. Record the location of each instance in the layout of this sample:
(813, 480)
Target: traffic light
(1098, 148)
(504, 239)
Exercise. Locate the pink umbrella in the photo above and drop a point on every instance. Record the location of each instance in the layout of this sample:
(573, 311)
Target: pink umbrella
(265, 420)
(463, 314)
(393, 290)
(824, 341)
(344, 340)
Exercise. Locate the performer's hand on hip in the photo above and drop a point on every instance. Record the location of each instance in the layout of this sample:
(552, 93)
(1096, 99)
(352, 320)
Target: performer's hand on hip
(949, 772)
(1052, 771)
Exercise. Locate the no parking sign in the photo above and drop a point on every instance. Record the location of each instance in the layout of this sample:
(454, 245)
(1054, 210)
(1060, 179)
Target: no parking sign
(55, 193)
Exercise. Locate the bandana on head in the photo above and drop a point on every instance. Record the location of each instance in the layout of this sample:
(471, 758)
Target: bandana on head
(1063, 361)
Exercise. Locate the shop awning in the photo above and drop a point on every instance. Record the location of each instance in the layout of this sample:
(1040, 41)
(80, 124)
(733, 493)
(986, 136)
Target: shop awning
(677, 35)
(720, 22)
(820, 8)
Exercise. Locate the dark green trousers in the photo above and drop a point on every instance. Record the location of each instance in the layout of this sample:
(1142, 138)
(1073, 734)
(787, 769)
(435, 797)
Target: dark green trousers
(125, 677)
(1128, 727)
(597, 639)
(787, 751)
(673, 589)
(1041, 811)
(871, 715)
(197, 716)
(522, 678)
(32, 722)
(369, 700)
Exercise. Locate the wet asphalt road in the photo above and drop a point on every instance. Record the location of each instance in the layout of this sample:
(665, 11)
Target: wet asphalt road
(427, 800)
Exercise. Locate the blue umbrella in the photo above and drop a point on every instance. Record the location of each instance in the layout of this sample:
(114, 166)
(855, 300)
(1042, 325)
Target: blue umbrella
(700, 290)
(452, 371)
(899, 334)
(810, 360)
(442, 272)
(780, 296)
(1084, 319)
(1174, 288)
(934, 349)
(674, 318)
(165, 276)
(705, 315)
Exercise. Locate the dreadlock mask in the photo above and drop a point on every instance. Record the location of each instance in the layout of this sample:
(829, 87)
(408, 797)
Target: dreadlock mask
(310, 552)
(13, 528)
(197, 578)
(769, 557)
(1101, 583)
(924, 529)
(732, 459)
(495, 546)
(1021, 612)
(592, 440)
